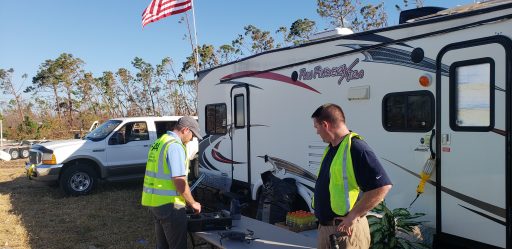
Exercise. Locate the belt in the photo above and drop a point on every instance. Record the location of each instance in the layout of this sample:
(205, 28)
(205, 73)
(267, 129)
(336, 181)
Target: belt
(333, 222)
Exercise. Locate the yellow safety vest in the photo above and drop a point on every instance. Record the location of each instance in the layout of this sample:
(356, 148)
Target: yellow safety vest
(158, 187)
(343, 186)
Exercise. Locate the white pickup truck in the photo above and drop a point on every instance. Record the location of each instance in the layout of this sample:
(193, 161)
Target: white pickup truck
(115, 151)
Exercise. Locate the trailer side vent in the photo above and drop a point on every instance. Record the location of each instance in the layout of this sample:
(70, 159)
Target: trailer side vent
(409, 15)
(359, 93)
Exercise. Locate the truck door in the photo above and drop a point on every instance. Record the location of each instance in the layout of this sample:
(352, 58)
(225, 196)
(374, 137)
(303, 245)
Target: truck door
(128, 148)
(239, 132)
(472, 140)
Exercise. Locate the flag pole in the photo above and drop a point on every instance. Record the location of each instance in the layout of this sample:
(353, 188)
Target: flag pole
(195, 36)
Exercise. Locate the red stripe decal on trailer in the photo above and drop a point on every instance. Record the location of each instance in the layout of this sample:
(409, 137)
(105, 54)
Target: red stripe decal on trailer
(270, 76)
(221, 158)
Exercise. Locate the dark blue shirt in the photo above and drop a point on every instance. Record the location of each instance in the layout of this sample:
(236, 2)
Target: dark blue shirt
(368, 171)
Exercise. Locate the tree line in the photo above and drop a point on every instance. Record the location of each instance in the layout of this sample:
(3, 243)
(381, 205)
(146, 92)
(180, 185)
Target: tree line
(63, 98)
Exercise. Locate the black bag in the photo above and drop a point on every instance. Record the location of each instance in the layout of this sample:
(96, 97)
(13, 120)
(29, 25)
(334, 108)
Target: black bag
(276, 198)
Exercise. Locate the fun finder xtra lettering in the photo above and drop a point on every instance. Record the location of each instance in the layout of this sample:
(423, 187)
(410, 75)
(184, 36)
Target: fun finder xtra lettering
(345, 72)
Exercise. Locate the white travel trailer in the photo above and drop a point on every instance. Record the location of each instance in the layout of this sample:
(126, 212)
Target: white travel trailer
(447, 74)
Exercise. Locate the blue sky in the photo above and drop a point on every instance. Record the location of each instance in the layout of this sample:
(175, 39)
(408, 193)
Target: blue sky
(107, 34)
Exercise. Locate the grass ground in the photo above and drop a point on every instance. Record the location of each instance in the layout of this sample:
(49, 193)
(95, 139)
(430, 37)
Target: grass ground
(35, 215)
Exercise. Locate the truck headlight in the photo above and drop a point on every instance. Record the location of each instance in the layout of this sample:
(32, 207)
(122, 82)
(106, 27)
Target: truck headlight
(49, 158)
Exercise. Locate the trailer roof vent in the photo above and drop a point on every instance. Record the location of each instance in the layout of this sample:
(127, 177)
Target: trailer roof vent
(409, 15)
(331, 33)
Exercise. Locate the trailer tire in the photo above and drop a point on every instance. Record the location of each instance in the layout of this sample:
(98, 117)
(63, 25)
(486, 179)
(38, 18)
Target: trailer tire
(14, 154)
(300, 204)
(194, 169)
(24, 152)
(78, 179)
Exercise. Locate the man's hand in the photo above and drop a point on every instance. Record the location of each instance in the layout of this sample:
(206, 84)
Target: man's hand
(346, 224)
(197, 207)
(368, 200)
(182, 187)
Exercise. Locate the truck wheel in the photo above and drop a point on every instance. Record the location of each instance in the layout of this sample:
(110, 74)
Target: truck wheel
(14, 154)
(24, 153)
(78, 180)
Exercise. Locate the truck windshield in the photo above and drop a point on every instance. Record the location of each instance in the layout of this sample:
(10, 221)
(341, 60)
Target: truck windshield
(103, 130)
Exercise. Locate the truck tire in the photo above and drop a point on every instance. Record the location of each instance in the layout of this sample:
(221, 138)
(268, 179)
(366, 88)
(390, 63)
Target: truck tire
(14, 154)
(24, 152)
(78, 179)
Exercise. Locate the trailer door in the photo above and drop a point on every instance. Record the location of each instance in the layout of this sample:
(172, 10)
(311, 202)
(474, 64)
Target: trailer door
(240, 134)
(472, 140)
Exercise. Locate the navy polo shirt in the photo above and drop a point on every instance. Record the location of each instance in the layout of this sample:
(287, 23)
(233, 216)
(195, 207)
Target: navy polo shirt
(368, 171)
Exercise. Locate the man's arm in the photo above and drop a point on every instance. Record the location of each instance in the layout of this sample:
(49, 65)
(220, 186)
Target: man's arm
(182, 187)
(368, 201)
(176, 159)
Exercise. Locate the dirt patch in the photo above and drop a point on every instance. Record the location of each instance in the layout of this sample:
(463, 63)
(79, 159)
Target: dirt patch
(35, 215)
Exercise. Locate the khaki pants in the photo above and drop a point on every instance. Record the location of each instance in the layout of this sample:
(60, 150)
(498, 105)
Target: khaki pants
(360, 238)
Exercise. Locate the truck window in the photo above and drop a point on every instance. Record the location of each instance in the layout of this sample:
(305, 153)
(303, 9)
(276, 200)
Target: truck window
(163, 126)
(472, 95)
(216, 119)
(134, 131)
(408, 111)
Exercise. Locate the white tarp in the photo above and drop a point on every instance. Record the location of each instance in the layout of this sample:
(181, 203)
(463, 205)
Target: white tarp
(4, 156)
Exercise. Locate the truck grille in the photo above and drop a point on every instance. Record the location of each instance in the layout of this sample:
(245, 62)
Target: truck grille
(34, 157)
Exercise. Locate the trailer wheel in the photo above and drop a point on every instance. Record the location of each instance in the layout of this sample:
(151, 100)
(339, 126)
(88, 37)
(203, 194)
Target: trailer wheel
(24, 153)
(79, 179)
(14, 154)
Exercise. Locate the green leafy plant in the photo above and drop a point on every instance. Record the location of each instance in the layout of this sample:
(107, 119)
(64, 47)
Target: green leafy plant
(386, 226)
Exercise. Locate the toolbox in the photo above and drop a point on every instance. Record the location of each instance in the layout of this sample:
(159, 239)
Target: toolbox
(208, 221)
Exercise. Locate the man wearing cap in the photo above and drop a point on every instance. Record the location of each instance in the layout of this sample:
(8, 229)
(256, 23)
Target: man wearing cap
(166, 191)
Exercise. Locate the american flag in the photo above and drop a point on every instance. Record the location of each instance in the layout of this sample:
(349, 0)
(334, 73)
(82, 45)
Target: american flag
(159, 9)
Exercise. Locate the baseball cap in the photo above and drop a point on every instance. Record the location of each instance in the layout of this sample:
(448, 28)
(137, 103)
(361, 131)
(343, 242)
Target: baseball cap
(191, 123)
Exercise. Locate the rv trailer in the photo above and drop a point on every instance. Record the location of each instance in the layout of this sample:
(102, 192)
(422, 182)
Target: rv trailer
(435, 86)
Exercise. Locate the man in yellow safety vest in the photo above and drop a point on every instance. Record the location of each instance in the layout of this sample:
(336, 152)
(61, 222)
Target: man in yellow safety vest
(351, 181)
(166, 191)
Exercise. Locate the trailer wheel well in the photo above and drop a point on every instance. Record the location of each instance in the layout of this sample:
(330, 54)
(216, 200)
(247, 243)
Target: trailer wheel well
(298, 204)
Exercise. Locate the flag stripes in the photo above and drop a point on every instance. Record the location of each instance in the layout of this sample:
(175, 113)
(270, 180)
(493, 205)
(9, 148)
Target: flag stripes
(159, 9)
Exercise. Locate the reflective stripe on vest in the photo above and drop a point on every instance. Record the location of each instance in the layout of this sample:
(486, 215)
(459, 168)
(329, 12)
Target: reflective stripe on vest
(343, 187)
(159, 188)
(160, 191)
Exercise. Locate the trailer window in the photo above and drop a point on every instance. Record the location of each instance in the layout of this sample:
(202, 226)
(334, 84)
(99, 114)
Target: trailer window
(472, 95)
(239, 111)
(216, 119)
(408, 111)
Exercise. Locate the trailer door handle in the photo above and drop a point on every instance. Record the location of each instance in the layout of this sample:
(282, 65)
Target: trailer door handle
(432, 153)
